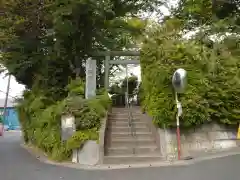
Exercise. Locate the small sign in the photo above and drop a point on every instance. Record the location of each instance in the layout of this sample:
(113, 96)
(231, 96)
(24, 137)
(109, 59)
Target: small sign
(69, 122)
(179, 107)
(238, 134)
(67, 126)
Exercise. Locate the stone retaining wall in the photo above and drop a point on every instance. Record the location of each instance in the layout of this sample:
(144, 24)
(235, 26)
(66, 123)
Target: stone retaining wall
(209, 137)
(92, 152)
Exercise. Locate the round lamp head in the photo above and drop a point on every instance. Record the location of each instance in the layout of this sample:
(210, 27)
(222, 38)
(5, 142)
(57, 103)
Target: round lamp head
(179, 80)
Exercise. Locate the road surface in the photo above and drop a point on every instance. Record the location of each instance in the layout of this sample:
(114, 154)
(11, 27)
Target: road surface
(17, 164)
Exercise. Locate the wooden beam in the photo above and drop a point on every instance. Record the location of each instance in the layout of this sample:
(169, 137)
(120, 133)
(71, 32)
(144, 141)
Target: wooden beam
(124, 62)
(116, 53)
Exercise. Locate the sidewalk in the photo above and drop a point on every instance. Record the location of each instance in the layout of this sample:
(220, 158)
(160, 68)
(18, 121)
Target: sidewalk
(196, 158)
(11, 135)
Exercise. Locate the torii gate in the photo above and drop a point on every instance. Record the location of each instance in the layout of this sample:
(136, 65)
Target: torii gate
(91, 68)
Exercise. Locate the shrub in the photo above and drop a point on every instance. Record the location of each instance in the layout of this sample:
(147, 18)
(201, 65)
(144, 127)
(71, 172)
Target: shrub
(213, 92)
(118, 90)
(118, 99)
(76, 88)
(41, 120)
(79, 137)
(87, 112)
(132, 85)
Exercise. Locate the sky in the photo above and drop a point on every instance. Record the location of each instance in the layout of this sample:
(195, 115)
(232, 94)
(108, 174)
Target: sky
(136, 70)
(16, 89)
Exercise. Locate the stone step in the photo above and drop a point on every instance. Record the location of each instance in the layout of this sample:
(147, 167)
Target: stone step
(130, 151)
(124, 117)
(138, 135)
(128, 129)
(130, 142)
(122, 110)
(119, 119)
(125, 113)
(136, 140)
(131, 159)
(126, 125)
(123, 148)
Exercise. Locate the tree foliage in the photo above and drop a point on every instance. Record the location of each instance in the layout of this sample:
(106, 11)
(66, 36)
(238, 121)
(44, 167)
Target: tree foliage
(207, 13)
(118, 90)
(120, 87)
(47, 42)
(213, 78)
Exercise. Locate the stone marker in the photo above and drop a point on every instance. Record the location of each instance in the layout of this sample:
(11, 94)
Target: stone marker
(68, 126)
(90, 78)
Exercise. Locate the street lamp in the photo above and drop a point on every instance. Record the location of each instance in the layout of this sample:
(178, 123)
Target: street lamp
(179, 82)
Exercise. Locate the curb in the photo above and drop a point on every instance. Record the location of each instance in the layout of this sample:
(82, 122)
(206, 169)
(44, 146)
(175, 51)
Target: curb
(43, 158)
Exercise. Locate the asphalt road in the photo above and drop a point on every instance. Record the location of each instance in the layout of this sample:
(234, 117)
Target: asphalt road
(17, 164)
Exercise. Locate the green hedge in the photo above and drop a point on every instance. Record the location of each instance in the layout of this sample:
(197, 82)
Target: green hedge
(118, 90)
(41, 120)
(213, 92)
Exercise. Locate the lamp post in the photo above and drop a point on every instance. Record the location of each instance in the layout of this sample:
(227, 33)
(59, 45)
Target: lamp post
(179, 82)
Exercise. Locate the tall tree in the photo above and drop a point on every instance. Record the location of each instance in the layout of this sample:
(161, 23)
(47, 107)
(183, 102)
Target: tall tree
(47, 42)
(207, 12)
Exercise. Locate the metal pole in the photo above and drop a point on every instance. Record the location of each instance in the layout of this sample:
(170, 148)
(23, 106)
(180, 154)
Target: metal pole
(106, 70)
(6, 99)
(127, 86)
(178, 128)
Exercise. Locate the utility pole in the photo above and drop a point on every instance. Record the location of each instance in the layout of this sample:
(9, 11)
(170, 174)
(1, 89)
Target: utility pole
(6, 98)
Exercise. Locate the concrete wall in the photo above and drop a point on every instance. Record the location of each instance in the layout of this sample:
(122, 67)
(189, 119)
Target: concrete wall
(88, 154)
(208, 138)
(92, 152)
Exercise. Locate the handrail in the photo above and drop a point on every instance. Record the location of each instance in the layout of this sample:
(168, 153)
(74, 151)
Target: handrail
(131, 124)
(130, 114)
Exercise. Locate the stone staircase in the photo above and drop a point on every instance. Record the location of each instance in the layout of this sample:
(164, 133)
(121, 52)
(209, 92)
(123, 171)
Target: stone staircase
(126, 145)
